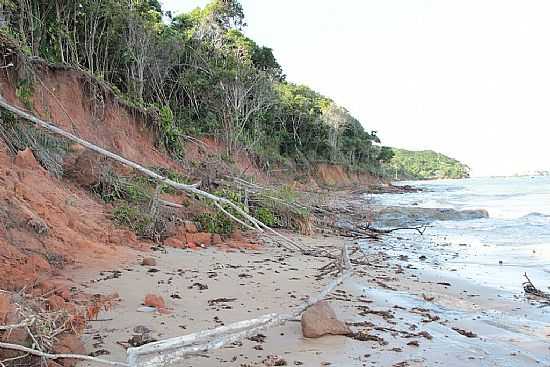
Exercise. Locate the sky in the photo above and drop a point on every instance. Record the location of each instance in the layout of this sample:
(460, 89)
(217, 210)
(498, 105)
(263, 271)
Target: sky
(468, 78)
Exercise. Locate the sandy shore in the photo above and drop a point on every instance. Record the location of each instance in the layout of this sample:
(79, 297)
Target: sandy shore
(417, 318)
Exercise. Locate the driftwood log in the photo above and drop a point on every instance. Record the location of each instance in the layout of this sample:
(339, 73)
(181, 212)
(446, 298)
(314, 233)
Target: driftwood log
(169, 351)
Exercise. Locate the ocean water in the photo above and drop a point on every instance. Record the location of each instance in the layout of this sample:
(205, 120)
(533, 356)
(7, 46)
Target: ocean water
(494, 251)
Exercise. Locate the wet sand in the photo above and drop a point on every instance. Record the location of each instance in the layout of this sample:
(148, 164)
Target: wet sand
(422, 317)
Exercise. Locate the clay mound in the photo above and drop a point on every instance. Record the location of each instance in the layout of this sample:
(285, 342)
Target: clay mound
(46, 224)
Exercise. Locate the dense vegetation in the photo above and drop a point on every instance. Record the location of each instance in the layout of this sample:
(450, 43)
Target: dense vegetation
(200, 73)
(425, 164)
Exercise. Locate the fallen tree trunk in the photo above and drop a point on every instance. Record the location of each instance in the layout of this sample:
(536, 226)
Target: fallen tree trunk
(162, 179)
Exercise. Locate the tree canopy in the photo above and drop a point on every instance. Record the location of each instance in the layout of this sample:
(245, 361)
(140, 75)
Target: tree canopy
(201, 72)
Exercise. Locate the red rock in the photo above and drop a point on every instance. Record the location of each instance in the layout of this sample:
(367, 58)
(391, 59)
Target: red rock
(191, 245)
(320, 319)
(5, 308)
(217, 239)
(71, 344)
(56, 303)
(149, 261)
(237, 235)
(38, 263)
(25, 159)
(200, 238)
(46, 286)
(152, 300)
(190, 227)
(174, 242)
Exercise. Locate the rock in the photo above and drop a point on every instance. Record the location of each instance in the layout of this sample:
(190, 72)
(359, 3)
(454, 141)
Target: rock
(25, 159)
(274, 361)
(200, 238)
(217, 239)
(174, 242)
(152, 300)
(16, 336)
(149, 261)
(5, 308)
(69, 344)
(64, 292)
(237, 235)
(38, 263)
(320, 319)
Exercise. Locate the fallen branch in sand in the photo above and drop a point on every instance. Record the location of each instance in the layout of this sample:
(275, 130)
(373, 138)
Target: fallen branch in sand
(38, 353)
(165, 352)
(530, 288)
(162, 179)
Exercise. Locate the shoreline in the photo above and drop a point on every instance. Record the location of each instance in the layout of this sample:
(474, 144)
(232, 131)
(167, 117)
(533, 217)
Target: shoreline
(388, 298)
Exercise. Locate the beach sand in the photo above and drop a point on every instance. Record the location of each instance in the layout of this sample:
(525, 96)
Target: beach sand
(420, 318)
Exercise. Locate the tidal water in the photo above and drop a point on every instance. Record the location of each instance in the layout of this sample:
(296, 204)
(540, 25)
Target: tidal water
(494, 251)
(482, 259)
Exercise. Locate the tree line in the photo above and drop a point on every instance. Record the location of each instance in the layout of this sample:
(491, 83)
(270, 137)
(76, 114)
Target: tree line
(201, 73)
(425, 164)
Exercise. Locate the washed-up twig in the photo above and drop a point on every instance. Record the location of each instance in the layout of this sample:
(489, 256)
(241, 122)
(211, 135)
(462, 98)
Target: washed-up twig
(420, 229)
(530, 288)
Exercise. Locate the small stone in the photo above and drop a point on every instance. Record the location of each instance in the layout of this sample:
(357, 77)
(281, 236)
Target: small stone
(152, 300)
(149, 261)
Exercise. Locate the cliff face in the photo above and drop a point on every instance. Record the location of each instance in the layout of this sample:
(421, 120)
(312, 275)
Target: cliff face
(48, 222)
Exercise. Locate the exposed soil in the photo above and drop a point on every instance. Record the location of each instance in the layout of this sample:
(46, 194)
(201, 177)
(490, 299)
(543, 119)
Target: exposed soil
(49, 225)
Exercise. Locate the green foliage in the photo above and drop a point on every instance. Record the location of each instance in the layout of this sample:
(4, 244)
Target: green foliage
(280, 208)
(218, 221)
(215, 223)
(205, 75)
(170, 133)
(425, 164)
(111, 188)
(134, 218)
(24, 92)
(266, 216)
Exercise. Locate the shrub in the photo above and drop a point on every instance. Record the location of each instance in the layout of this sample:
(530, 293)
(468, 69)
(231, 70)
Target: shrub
(266, 216)
(133, 218)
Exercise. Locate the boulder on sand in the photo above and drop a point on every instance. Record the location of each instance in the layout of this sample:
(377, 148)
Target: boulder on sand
(320, 319)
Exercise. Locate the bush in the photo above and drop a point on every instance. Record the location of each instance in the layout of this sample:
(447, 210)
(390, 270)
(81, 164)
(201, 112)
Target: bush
(215, 223)
(24, 92)
(266, 216)
(133, 218)
(112, 187)
(218, 222)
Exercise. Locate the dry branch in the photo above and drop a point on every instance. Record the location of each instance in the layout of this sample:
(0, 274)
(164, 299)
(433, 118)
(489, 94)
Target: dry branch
(530, 288)
(38, 353)
(420, 229)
